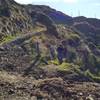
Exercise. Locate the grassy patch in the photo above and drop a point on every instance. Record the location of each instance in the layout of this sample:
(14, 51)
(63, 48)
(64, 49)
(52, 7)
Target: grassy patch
(92, 76)
(66, 67)
(55, 62)
(74, 36)
(7, 39)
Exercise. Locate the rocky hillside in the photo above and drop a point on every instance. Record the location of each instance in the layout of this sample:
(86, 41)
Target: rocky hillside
(46, 54)
(90, 27)
(15, 87)
(18, 19)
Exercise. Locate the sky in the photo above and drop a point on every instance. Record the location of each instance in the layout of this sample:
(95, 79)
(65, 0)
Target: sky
(87, 8)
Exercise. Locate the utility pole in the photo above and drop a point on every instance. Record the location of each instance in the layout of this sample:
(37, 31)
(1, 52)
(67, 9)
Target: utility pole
(72, 14)
(78, 12)
(95, 16)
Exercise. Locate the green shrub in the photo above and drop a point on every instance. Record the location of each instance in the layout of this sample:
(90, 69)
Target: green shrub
(74, 36)
(92, 76)
(64, 66)
(67, 67)
(55, 62)
(98, 46)
(7, 39)
(92, 60)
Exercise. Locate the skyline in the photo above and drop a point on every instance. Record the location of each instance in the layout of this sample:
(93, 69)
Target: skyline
(87, 8)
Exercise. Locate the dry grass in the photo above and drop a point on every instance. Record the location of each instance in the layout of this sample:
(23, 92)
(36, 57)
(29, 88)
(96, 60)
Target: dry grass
(13, 79)
(6, 77)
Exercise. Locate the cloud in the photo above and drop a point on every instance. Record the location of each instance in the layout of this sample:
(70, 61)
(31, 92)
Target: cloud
(45, 1)
(24, 1)
(96, 4)
(35, 1)
(70, 1)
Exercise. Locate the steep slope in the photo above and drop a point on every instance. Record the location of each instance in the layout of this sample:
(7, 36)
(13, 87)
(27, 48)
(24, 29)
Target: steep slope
(13, 19)
(57, 16)
(90, 27)
(18, 19)
(32, 18)
(21, 19)
(30, 59)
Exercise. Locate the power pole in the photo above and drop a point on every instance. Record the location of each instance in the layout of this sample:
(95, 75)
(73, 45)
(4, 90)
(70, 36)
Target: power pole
(95, 16)
(78, 12)
(72, 14)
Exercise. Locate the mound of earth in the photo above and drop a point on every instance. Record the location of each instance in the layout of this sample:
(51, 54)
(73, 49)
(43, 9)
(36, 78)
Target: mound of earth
(16, 87)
